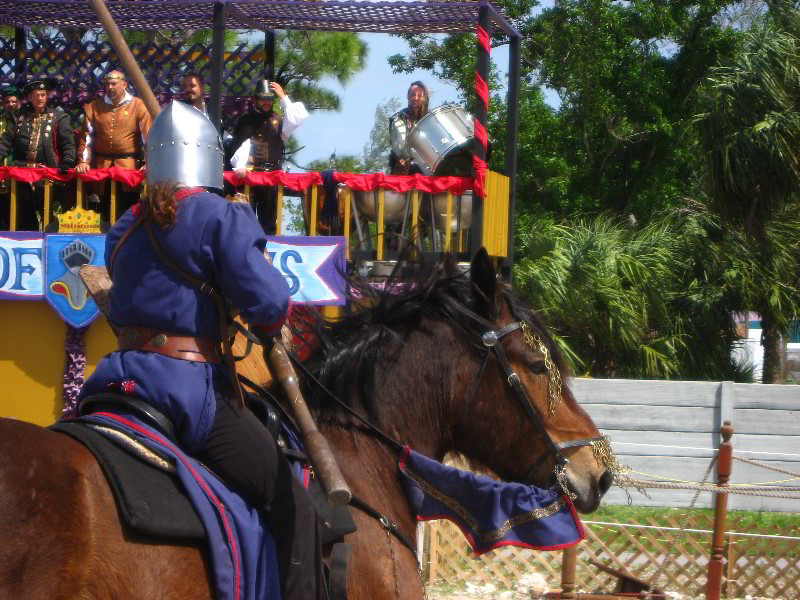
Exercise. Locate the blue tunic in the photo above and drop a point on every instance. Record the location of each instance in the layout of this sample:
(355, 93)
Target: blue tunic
(218, 241)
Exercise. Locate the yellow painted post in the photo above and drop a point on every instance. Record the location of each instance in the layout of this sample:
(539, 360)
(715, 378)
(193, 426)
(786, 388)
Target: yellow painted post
(379, 224)
(448, 224)
(247, 191)
(112, 210)
(488, 212)
(331, 312)
(48, 186)
(312, 226)
(415, 201)
(13, 216)
(279, 212)
(346, 195)
(79, 194)
(506, 209)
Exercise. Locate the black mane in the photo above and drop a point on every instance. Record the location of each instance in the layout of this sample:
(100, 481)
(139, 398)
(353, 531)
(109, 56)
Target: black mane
(353, 347)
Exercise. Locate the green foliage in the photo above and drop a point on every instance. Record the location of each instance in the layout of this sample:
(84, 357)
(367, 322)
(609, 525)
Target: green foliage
(630, 301)
(751, 137)
(346, 163)
(376, 150)
(751, 127)
(306, 58)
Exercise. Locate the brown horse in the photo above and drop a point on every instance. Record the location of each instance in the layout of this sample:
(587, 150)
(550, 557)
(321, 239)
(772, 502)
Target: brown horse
(414, 362)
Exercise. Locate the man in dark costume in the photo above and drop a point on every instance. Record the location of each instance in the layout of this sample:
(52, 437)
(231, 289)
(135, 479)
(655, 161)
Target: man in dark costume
(41, 136)
(263, 133)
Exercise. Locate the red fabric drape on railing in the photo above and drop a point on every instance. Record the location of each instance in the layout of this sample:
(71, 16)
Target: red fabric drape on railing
(132, 177)
(404, 183)
(294, 181)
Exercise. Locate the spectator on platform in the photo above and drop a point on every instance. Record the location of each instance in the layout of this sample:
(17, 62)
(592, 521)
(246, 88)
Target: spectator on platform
(115, 129)
(40, 136)
(400, 125)
(11, 99)
(193, 90)
(10, 95)
(265, 133)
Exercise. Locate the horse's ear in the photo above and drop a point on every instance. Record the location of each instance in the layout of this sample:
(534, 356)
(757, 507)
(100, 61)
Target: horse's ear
(483, 275)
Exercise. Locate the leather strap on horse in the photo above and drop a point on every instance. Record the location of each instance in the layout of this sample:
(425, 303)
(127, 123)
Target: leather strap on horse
(100, 402)
(216, 295)
(385, 522)
(337, 572)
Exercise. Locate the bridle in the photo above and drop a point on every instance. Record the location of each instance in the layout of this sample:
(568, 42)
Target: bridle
(490, 340)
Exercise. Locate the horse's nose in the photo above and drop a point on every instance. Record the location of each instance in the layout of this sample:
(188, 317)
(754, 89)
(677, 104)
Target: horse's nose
(605, 482)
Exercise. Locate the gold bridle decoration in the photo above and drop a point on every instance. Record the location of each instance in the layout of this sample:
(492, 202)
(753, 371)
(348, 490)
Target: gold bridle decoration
(601, 449)
(534, 342)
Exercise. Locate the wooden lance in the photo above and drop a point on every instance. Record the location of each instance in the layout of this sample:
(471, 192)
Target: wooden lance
(333, 483)
(319, 452)
(125, 56)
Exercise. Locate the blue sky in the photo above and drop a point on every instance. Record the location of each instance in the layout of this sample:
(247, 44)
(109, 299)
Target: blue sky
(347, 130)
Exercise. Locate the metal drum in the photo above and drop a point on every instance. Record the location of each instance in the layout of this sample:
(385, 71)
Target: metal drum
(394, 205)
(459, 220)
(441, 142)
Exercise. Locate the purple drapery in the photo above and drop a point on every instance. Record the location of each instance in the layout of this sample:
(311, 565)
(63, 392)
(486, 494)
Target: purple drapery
(74, 369)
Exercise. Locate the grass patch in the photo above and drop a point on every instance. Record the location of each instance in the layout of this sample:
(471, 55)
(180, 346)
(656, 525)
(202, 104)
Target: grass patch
(744, 521)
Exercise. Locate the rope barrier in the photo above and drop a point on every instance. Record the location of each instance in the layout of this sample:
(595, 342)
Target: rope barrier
(767, 466)
(743, 489)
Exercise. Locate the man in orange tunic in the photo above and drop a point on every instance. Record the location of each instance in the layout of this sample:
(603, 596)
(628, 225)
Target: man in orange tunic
(114, 133)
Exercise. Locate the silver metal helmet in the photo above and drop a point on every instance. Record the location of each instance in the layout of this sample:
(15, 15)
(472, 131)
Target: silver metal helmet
(184, 146)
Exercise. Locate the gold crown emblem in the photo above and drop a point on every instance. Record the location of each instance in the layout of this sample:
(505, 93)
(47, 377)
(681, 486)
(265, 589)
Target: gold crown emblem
(79, 220)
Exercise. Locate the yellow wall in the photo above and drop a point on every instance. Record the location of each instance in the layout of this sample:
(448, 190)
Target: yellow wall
(32, 359)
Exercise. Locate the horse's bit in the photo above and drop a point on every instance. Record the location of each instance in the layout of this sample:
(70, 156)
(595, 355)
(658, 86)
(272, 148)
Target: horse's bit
(490, 339)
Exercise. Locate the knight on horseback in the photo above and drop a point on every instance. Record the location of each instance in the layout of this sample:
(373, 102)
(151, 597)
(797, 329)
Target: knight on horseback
(179, 259)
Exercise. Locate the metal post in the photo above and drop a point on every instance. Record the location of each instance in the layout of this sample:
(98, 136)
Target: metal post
(484, 35)
(512, 130)
(21, 53)
(217, 63)
(269, 54)
(724, 467)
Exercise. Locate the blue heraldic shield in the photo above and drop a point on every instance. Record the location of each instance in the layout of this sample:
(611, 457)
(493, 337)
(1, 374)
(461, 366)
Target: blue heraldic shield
(65, 254)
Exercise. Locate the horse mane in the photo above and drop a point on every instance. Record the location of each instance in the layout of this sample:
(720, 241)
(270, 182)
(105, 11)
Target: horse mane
(352, 348)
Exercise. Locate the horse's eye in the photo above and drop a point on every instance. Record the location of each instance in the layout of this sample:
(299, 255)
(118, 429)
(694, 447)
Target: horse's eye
(536, 364)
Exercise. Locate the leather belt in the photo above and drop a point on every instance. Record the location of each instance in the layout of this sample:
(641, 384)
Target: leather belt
(184, 347)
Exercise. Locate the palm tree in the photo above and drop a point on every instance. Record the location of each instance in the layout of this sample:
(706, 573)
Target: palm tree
(751, 132)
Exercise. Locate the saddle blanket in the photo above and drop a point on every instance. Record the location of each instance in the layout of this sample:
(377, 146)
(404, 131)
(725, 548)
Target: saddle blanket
(490, 513)
(241, 550)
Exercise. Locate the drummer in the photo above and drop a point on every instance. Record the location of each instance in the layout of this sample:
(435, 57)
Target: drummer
(400, 124)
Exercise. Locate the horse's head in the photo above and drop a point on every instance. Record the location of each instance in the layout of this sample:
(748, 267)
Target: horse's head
(519, 416)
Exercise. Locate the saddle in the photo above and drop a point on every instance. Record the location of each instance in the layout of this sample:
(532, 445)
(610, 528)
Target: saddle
(152, 500)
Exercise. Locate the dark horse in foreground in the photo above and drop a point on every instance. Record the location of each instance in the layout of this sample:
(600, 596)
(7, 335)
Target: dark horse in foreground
(413, 362)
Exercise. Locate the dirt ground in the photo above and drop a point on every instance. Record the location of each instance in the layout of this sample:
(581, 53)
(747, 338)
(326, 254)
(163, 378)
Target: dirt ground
(529, 587)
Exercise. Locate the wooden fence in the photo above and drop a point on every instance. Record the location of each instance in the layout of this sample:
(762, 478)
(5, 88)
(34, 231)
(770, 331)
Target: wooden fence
(671, 429)
(763, 565)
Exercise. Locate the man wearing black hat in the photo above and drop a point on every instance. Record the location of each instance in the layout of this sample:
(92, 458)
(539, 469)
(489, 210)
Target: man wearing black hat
(40, 137)
(264, 133)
